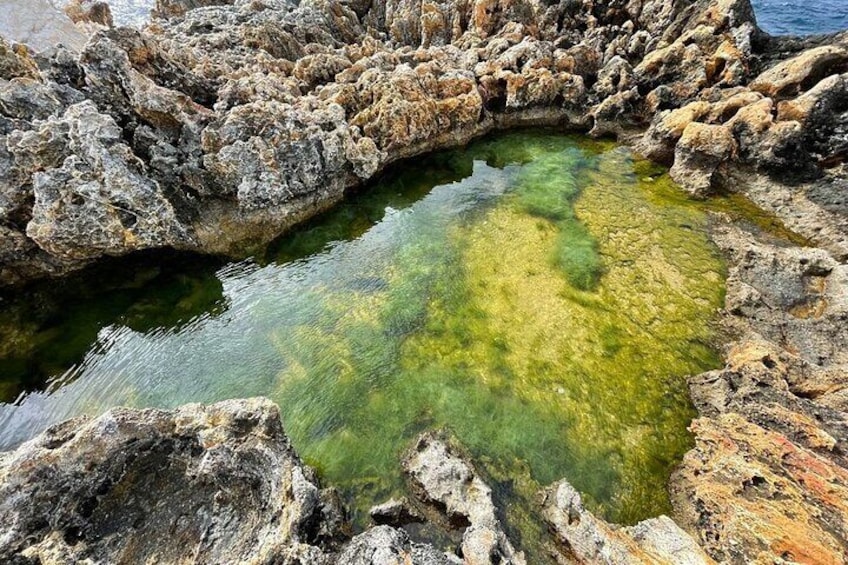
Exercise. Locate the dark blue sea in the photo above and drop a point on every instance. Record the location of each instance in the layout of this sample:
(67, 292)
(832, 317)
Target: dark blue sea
(801, 17)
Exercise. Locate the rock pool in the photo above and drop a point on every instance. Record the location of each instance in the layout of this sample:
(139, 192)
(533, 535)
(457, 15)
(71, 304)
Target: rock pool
(540, 295)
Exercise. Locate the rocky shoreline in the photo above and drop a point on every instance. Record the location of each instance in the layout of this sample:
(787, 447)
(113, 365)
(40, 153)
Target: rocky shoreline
(219, 127)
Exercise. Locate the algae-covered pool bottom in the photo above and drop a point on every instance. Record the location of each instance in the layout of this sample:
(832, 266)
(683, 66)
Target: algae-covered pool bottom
(534, 293)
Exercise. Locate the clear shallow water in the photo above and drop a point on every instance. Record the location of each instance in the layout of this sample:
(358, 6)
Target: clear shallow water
(801, 17)
(541, 296)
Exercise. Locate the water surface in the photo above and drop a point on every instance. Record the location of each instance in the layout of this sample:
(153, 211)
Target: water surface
(801, 17)
(541, 296)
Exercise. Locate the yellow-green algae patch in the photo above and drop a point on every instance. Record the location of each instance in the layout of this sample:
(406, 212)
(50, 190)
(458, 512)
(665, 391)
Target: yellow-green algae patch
(483, 329)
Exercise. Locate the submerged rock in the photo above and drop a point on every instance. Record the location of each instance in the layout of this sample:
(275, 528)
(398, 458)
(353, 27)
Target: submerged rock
(395, 513)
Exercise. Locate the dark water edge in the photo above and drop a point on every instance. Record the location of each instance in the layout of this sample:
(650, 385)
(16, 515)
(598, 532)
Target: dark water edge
(801, 17)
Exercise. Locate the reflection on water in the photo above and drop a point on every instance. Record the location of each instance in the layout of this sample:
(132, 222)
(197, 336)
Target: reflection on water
(534, 293)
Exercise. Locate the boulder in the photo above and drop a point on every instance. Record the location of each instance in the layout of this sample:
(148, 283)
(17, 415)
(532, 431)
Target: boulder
(215, 484)
(699, 156)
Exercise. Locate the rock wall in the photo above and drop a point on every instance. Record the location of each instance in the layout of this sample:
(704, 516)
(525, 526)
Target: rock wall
(223, 123)
(768, 478)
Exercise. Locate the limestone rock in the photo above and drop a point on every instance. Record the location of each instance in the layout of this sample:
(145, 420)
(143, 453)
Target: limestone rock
(757, 497)
(699, 155)
(93, 184)
(583, 538)
(383, 545)
(175, 8)
(658, 143)
(440, 476)
(765, 481)
(213, 484)
(796, 296)
(791, 77)
(15, 61)
(395, 513)
(255, 115)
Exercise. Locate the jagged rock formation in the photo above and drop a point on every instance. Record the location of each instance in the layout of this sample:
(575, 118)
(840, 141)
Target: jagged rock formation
(448, 482)
(233, 120)
(217, 484)
(200, 484)
(222, 484)
(767, 479)
(583, 538)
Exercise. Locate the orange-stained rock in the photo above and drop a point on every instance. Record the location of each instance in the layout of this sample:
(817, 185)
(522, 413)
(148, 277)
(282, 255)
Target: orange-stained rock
(754, 496)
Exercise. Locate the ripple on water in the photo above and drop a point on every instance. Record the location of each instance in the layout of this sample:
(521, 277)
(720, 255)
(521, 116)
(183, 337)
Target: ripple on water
(801, 17)
(530, 292)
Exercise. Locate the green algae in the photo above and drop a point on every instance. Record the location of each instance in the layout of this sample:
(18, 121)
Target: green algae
(484, 329)
(538, 295)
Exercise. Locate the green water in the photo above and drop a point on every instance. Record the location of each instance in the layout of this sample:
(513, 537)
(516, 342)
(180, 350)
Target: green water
(541, 296)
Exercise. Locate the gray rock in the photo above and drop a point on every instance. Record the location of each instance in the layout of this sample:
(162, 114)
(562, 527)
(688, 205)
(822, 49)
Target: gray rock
(395, 513)
(91, 182)
(440, 476)
(216, 484)
(583, 538)
(383, 545)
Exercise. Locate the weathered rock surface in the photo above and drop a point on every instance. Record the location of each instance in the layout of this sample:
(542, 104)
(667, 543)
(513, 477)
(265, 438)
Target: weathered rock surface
(217, 484)
(238, 119)
(583, 538)
(209, 484)
(395, 512)
(384, 545)
(441, 477)
(767, 479)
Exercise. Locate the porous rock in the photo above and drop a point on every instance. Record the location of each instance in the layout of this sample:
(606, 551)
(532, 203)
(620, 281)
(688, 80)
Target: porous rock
(216, 484)
(442, 477)
(583, 538)
(257, 115)
(766, 479)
